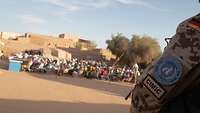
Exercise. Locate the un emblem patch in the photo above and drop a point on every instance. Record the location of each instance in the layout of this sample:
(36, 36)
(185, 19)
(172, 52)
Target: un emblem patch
(168, 71)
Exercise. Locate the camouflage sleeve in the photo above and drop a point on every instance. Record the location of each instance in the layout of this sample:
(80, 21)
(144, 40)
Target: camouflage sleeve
(167, 77)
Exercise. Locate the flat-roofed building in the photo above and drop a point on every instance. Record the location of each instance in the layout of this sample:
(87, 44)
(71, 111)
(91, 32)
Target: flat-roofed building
(70, 36)
(9, 35)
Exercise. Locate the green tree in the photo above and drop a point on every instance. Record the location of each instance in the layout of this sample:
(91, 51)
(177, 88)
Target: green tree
(118, 45)
(140, 49)
(143, 49)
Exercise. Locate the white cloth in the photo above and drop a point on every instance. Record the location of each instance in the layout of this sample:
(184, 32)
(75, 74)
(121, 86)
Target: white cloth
(135, 67)
(136, 71)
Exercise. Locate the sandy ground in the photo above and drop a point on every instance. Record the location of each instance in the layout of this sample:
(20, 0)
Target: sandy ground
(34, 93)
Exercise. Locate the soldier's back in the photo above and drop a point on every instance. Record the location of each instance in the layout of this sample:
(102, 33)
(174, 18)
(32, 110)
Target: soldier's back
(171, 84)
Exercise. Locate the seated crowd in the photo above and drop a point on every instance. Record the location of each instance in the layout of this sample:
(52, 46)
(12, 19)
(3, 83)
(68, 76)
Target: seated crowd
(36, 62)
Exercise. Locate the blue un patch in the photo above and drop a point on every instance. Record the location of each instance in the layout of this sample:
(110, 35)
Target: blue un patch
(168, 71)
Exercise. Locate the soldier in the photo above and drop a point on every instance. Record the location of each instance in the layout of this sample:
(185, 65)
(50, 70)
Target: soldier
(172, 83)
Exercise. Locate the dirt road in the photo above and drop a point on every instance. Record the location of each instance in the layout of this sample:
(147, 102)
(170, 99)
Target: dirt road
(34, 93)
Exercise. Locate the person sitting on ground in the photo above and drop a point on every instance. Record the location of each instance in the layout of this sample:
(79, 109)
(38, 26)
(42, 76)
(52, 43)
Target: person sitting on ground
(61, 69)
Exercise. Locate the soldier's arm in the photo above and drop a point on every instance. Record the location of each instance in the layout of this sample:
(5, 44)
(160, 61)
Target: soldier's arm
(169, 76)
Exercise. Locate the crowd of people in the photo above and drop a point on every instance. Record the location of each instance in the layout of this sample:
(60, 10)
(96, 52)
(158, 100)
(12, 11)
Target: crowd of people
(34, 61)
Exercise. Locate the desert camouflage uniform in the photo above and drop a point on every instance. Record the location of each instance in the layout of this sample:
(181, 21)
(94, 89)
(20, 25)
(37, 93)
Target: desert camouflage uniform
(154, 91)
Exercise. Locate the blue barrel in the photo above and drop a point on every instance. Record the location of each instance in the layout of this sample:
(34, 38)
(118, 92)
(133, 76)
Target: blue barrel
(15, 65)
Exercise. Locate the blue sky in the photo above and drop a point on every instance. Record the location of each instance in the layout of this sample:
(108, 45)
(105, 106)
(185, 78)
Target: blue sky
(96, 20)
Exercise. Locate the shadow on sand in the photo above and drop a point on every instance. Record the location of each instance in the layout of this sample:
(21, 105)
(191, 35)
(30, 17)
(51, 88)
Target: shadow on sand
(104, 86)
(29, 106)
